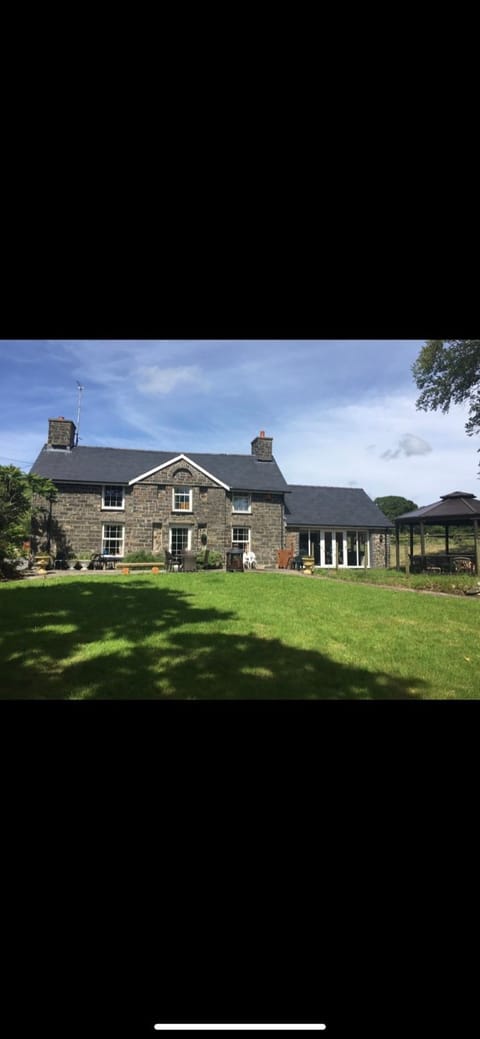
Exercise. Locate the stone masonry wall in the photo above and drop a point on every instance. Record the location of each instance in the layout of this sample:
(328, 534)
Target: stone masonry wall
(77, 516)
(377, 550)
(266, 526)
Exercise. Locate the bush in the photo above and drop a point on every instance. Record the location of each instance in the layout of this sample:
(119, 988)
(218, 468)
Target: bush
(209, 560)
(9, 570)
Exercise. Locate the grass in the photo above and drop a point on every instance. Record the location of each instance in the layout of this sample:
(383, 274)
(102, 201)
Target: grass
(227, 635)
(450, 584)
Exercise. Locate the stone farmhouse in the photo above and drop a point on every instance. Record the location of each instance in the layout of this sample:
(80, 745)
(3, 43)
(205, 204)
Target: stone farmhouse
(118, 501)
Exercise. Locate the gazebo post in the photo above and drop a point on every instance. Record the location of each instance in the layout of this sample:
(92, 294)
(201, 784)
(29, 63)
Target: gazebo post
(397, 546)
(475, 541)
(422, 538)
(411, 540)
(446, 539)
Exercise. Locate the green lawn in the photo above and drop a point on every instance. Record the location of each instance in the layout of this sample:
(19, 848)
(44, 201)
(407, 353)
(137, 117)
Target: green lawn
(225, 636)
(451, 584)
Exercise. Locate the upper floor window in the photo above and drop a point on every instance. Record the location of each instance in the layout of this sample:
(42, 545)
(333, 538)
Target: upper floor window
(113, 497)
(182, 499)
(241, 503)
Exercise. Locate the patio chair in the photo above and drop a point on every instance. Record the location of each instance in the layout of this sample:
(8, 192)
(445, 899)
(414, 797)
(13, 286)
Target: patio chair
(61, 563)
(284, 555)
(168, 560)
(189, 561)
(96, 562)
(249, 560)
(462, 565)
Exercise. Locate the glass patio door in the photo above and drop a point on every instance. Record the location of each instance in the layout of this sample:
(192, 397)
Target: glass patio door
(315, 546)
(328, 548)
(333, 548)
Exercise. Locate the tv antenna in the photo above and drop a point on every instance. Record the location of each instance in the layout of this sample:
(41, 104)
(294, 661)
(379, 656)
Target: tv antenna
(80, 391)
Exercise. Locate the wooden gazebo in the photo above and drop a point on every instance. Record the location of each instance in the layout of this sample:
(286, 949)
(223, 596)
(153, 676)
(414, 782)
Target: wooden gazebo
(459, 508)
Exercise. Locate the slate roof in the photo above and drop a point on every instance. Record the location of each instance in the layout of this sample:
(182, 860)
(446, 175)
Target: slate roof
(458, 505)
(332, 507)
(120, 465)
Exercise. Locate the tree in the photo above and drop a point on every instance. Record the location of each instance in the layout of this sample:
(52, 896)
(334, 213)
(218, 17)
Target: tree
(16, 491)
(393, 506)
(447, 371)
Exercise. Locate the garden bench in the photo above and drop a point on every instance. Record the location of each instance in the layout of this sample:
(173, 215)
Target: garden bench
(139, 566)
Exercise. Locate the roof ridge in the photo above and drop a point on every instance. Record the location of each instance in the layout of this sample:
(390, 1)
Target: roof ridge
(326, 486)
(163, 451)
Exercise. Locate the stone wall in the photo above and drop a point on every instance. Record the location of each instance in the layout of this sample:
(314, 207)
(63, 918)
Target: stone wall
(148, 515)
(266, 525)
(292, 540)
(77, 518)
(379, 545)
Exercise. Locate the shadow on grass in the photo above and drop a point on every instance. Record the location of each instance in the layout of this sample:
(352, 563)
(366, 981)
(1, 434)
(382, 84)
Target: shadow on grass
(140, 640)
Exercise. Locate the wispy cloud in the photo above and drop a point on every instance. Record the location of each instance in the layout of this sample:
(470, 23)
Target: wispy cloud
(155, 380)
(408, 445)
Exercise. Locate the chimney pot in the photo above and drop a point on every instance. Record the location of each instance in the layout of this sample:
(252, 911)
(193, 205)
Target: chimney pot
(262, 432)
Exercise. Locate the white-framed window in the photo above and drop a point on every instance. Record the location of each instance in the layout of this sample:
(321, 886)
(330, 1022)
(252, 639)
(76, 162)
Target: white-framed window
(241, 503)
(180, 540)
(182, 499)
(241, 538)
(113, 496)
(112, 539)
(336, 547)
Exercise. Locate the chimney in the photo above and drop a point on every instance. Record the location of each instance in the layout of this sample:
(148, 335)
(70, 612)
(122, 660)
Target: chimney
(61, 434)
(262, 447)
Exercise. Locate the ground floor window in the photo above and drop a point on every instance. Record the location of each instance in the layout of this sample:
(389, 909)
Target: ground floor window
(336, 547)
(179, 540)
(112, 539)
(241, 538)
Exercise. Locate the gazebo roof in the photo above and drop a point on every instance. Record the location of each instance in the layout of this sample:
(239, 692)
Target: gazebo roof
(453, 507)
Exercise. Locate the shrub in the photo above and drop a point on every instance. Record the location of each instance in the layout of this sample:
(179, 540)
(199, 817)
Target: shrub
(209, 560)
(9, 570)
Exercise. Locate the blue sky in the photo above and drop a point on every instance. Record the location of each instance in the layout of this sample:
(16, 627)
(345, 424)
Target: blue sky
(341, 413)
